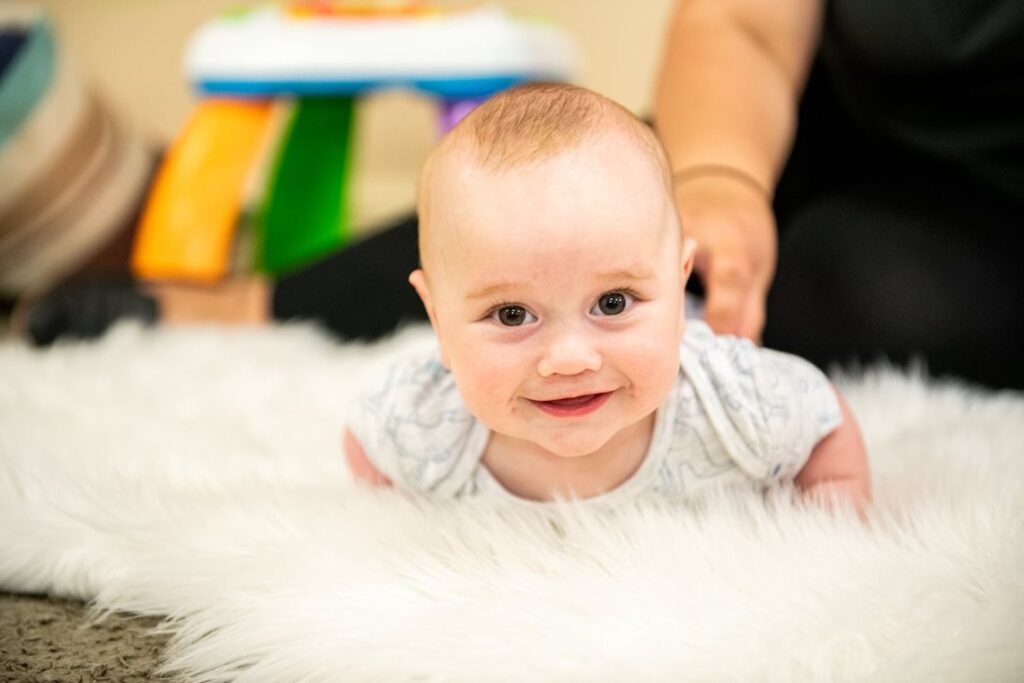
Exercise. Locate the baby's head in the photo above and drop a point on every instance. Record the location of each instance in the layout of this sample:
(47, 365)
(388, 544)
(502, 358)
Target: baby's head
(553, 266)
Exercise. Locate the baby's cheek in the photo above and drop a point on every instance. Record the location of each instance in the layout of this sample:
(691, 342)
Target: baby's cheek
(652, 366)
(487, 383)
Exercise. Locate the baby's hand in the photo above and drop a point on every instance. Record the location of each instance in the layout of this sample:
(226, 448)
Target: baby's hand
(362, 470)
(838, 465)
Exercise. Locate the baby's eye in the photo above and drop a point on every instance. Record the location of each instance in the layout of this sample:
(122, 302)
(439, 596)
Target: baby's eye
(612, 303)
(513, 316)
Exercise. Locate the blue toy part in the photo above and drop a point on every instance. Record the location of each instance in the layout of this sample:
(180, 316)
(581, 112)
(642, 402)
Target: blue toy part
(448, 88)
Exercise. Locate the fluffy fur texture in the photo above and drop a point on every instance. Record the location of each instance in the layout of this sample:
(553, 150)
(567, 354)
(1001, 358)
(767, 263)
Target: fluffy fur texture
(197, 474)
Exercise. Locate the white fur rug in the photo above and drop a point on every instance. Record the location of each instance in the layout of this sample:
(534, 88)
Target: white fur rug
(197, 474)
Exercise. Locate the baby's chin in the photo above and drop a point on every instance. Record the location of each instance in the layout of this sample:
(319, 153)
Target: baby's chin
(577, 443)
(568, 441)
(564, 445)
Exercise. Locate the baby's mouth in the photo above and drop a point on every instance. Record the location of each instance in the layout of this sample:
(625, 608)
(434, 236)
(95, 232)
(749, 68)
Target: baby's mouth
(573, 406)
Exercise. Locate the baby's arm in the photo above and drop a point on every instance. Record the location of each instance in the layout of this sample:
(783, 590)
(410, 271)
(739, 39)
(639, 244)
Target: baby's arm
(839, 465)
(360, 465)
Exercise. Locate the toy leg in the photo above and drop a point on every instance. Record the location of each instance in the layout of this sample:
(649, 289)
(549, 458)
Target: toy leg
(190, 218)
(452, 111)
(305, 214)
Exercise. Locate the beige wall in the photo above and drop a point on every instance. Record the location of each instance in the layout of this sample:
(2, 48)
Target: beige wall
(131, 50)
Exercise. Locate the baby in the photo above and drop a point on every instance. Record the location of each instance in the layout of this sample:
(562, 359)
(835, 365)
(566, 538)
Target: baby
(553, 272)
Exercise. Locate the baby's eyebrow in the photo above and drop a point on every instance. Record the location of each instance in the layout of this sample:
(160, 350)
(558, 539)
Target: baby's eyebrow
(626, 274)
(623, 276)
(489, 290)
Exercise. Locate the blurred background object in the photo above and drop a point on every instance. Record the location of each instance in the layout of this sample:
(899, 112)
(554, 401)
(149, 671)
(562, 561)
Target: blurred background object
(132, 52)
(70, 170)
(125, 60)
(310, 64)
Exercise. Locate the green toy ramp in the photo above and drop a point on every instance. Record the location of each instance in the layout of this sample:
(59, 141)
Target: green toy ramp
(305, 213)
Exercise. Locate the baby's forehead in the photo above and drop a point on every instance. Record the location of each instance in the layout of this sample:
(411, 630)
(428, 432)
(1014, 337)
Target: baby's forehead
(460, 166)
(467, 198)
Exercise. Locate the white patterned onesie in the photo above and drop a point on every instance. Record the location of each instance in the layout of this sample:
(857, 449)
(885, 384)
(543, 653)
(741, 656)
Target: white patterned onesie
(736, 414)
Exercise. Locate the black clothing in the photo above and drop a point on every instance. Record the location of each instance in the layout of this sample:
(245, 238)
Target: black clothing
(901, 200)
(361, 292)
(944, 78)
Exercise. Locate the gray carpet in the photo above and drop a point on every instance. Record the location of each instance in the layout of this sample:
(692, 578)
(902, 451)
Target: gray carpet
(43, 639)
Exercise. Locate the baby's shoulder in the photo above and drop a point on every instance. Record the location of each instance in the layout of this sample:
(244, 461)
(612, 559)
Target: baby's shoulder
(734, 362)
(768, 408)
(415, 382)
(414, 426)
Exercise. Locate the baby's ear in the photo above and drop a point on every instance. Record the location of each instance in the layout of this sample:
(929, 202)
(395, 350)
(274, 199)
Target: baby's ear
(688, 253)
(686, 268)
(418, 280)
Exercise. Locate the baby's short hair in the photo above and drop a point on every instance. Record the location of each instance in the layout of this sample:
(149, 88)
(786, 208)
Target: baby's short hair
(538, 120)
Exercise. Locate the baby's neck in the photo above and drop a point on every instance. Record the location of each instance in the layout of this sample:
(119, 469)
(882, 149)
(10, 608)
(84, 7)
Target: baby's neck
(530, 471)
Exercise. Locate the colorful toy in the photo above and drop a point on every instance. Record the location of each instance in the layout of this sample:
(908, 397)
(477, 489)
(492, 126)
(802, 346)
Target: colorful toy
(189, 220)
(324, 55)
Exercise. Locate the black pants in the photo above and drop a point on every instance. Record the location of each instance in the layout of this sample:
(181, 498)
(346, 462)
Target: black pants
(881, 255)
(888, 254)
(361, 292)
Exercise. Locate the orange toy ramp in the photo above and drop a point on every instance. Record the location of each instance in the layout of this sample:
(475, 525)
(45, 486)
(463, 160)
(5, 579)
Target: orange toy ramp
(190, 218)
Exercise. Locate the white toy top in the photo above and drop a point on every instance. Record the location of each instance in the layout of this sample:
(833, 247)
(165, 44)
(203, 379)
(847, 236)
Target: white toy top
(323, 47)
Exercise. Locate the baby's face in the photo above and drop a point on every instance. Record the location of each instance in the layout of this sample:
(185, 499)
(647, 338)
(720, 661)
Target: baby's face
(556, 294)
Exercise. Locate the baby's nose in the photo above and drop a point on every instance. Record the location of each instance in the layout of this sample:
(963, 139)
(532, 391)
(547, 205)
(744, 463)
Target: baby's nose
(569, 354)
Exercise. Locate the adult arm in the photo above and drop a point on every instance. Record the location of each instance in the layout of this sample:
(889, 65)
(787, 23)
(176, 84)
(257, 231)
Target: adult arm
(726, 104)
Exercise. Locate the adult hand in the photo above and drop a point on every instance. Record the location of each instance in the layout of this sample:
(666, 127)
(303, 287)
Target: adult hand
(734, 226)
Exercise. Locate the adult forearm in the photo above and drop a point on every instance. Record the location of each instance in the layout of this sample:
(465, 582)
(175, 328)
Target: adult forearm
(727, 93)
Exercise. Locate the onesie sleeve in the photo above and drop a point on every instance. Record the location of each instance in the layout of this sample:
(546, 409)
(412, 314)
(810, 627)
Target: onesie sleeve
(414, 428)
(769, 408)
